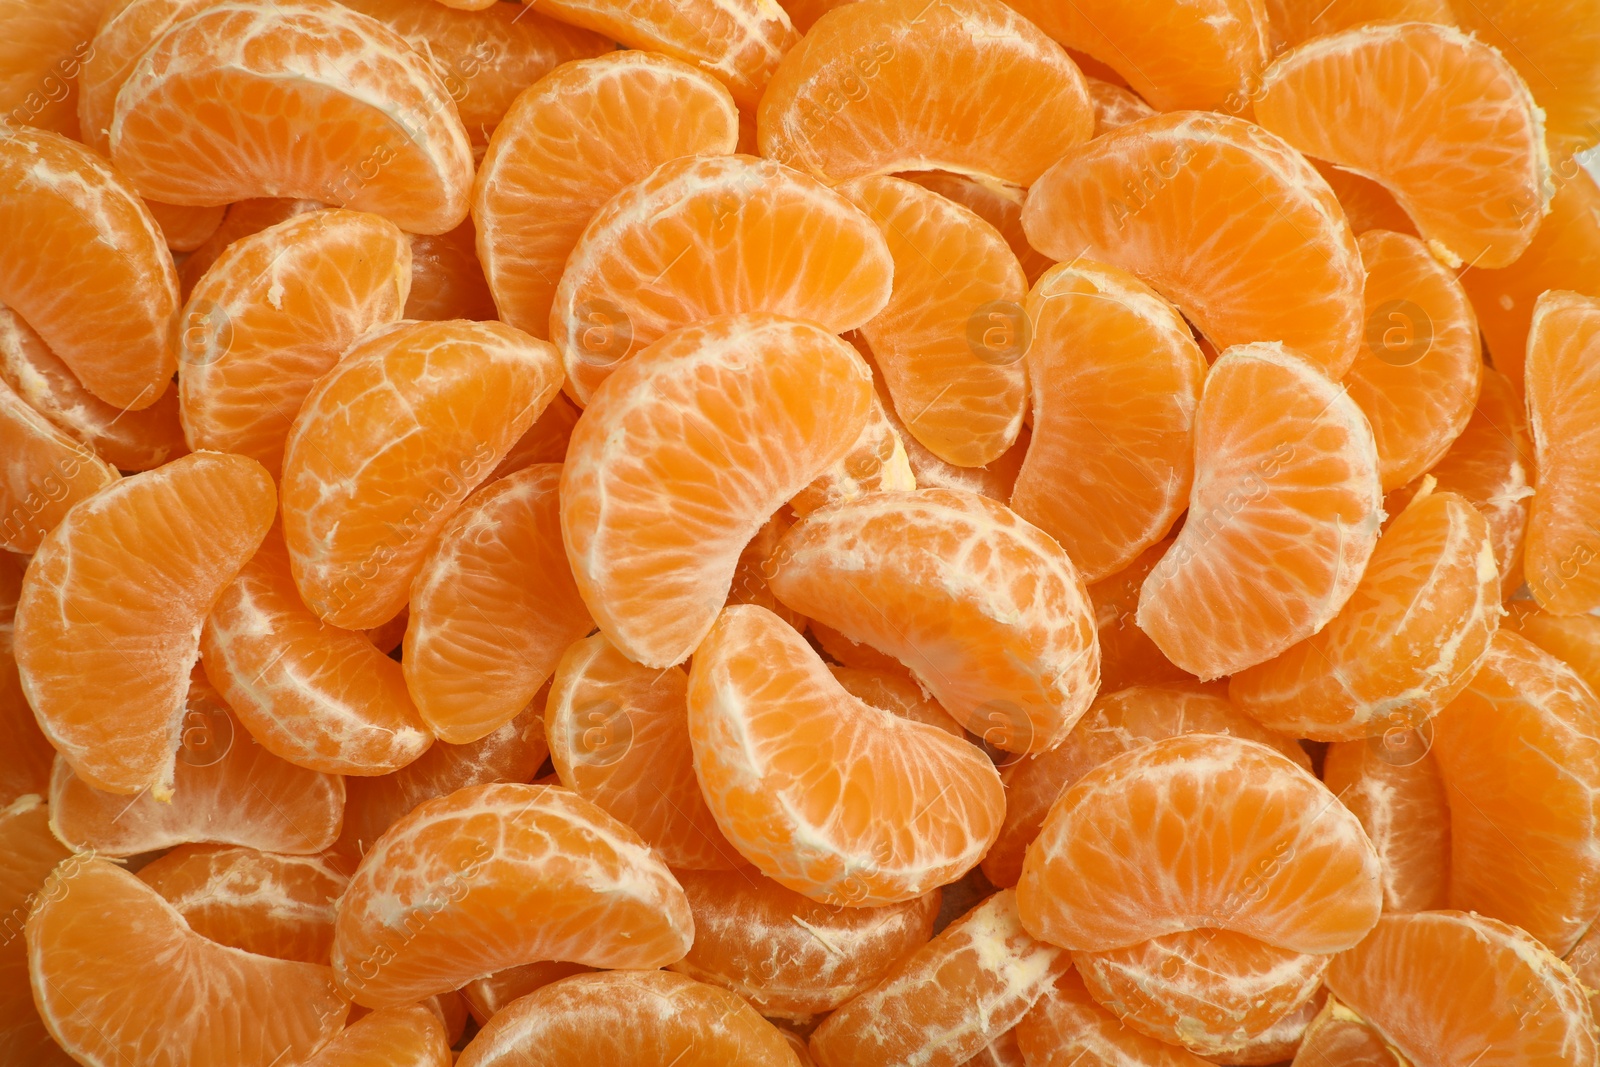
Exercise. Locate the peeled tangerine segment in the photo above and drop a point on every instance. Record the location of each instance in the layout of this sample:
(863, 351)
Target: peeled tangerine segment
(951, 340)
(250, 98)
(313, 694)
(112, 606)
(947, 1001)
(834, 798)
(1451, 987)
(619, 736)
(681, 458)
(578, 136)
(708, 236)
(901, 85)
(408, 1036)
(1560, 381)
(31, 851)
(497, 875)
(1406, 642)
(789, 956)
(1339, 1035)
(274, 314)
(387, 446)
(628, 1017)
(107, 316)
(1395, 789)
(1127, 655)
(1437, 117)
(112, 999)
(1282, 519)
(1116, 378)
(1296, 21)
(45, 474)
(986, 610)
(1069, 1028)
(40, 59)
(1216, 215)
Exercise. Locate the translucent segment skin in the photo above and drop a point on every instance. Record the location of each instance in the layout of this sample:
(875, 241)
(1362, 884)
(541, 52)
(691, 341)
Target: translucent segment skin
(127, 30)
(1572, 639)
(485, 997)
(901, 86)
(446, 280)
(239, 220)
(962, 573)
(44, 474)
(878, 460)
(998, 205)
(1339, 1035)
(32, 851)
(451, 892)
(833, 798)
(1404, 807)
(1295, 21)
(949, 999)
(1116, 106)
(750, 577)
(386, 136)
(1115, 378)
(890, 687)
(408, 1036)
(725, 420)
(1127, 655)
(789, 956)
(1068, 1028)
(1197, 831)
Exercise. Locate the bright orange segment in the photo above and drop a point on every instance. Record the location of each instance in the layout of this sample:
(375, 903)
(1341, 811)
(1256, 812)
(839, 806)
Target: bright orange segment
(1394, 788)
(25, 765)
(998, 205)
(1296, 21)
(447, 281)
(1069, 1028)
(1127, 655)
(1573, 639)
(546, 440)
(878, 460)
(1339, 1035)
(44, 53)
(31, 853)
(239, 221)
(127, 30)
(486, 996)
(890, 687)
(1116, 106)
(410, 1036)
(45, 474)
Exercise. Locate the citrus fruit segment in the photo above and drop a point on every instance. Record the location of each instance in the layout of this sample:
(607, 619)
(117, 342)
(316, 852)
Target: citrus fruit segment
(1573, 639)
(708, 236)
(1115, 106)
(261, 902)
(998, 205)
(1448, 987)
(950, 998)
(893, 85)
(1519, 754)
(127, 30)
(408, 1036)
(434, 904)
(1368, 205)
(447, 281)
(102, 999)
(1435, 116)
(185, 228)
(878, 460)
(566, 146)
(274, 314)
(25, 767)
(389, 443)
(1339, 1035)
(1219, 214)
(619, 736)
(546, 440)
(750, 576)
(838, 800)
(1127, 655)
(1394, 788)
(112, 606)
(1283, 516)
(1115, 377)
(317, 696)
(789, 956)
(306, 99)
(1101, 877)
(486, 996)
(680, 459)
(492, 608)
(107, 316)
(1584, 959)
(1069, 1028)
(45, 475)
(633, 1017)
(891, 688)
(31, 853)
(1295, 21)
(41, 60)
(1406, 642)
(1562, 561)
(240, 220)
(986, 610)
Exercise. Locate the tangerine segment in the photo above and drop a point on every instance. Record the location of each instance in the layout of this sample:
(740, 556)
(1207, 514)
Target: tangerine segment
(1366, 204)
(709, 236)
(497, 875)
(1296, 21)
(568, 144)
(791, 957)
(891, 687)
(838, 800)
(409, 1036)
(1069, 1028)
(31, 853)
(272, 905)
(1339, 1035)
(1563, 546)
(102, 999)
(112, 606)
(1519, 751)
(985, 609)
(1200, 831)
(1214, 214)
(750, 577)
(1435, 116)
(446, 279)
(389, 443)
(545, 441)
(951, 339)
(486, 996)
(878, 460)
(1406, 642)
(492, 608)
(107, 316)
(1401, 801)
(632, 1017)
(1419, 370)
(41, 60)
(1584, 959)
(240, 220)
(317, 696)
(305, 99)
(1127, 655)
(25, 767)
(1115, 378)
(1283, 516)
(679, 461)
(998, 205)
(46, 473)
(1573, 639)
(1117, 722)
(1447, 987)
(274, 314)
(892, 85)
(619, 736)
(942, 1004)
(1277, 1043)
(127, 30)
(1116, 106)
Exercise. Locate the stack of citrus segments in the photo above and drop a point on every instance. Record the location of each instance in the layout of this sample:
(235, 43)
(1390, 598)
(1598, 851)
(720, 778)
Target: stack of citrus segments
(696, 533)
